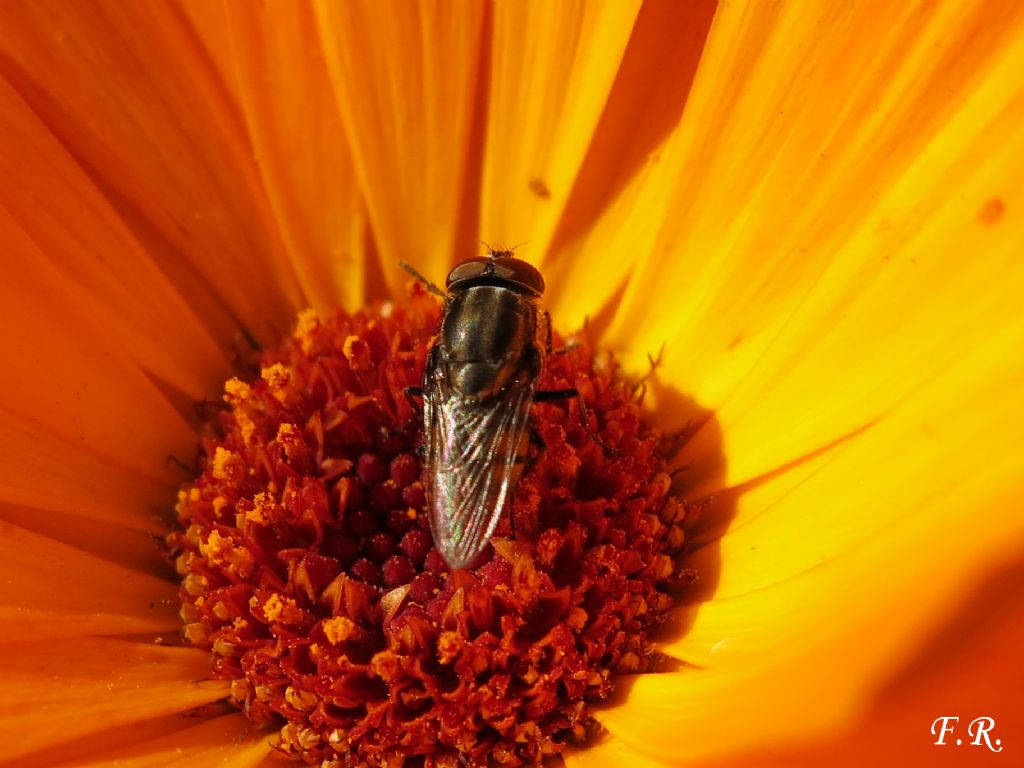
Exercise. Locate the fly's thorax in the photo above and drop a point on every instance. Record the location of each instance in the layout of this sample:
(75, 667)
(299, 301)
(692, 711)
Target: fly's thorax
(488, 339)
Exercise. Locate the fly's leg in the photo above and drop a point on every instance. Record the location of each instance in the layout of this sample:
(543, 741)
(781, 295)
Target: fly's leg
(411, 393)
(639, 388)
(570, 347)
(527, 462)
(609, 452)
(549, 341)
(429, 284)
(538, 442)
(548, 395)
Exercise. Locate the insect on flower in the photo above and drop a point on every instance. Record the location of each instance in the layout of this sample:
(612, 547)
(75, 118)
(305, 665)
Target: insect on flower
(479, 382)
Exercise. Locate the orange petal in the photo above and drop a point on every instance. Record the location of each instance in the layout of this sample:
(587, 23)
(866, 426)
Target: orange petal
(405, 79)
(60, 690)
(124, 737)
(71, 235)
(169, 151)
(230, 741)
(552, 65)
(46, 472)
(210, 23)
(50, 590)
(971, 669)
(65, 377)
(139, 550)
(301, 149)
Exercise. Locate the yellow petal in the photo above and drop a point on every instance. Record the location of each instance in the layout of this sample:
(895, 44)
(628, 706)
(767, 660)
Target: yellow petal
(220, 742)
(797, 329)
(49, 590)
(301, 149)
(70, 688)
(855, 559)
(405, 80)
(552, 66)
(609, 752)
(170, 152)
(623, 188)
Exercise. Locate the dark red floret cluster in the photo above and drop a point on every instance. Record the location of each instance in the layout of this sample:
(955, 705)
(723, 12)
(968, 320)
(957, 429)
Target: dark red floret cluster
(309, 571)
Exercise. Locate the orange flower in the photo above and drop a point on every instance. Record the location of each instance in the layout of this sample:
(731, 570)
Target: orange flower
(815, 208)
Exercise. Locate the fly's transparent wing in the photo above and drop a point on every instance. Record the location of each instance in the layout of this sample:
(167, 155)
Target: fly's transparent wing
(472, 463)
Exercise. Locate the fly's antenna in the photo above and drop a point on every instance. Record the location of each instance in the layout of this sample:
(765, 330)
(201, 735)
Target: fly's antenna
(501, 252)
(430, 285)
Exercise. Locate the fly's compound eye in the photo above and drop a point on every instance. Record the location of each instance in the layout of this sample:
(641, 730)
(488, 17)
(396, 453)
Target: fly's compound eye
(496, 269)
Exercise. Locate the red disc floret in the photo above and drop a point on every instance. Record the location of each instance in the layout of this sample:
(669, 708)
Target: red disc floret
(309, 571)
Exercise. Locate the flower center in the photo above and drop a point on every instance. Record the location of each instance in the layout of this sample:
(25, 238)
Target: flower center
(309, 570)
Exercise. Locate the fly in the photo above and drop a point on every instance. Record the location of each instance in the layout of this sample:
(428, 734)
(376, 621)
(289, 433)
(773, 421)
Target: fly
(479, 382)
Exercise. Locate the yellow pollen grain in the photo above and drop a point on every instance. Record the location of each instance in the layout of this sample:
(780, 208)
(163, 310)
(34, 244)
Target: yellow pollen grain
(219, 503)
(306, 326)
(273, 608)
(338, 629)
(194, 494)
(448, 646)
(286, 432)
(277, 377)
(262, 511)
(223, 464)
(215, 545)
(236, 390)
(386, 664)
(279, 609)
(221, 550)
